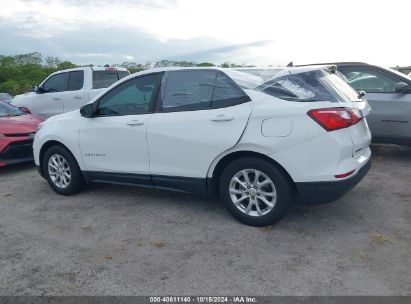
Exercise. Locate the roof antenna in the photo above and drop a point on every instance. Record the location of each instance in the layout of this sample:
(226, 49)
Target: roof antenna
(291, 64)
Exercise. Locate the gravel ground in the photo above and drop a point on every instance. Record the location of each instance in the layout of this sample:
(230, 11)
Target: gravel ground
(114, 240)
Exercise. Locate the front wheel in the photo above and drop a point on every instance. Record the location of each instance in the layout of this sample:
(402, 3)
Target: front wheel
(255, 191)
(62, 171)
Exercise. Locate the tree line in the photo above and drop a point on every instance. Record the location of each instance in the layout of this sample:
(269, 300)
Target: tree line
(18, 73)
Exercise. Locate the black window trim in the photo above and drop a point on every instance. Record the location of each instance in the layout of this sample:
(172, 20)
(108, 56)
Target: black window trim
(151, 105)
(224, 103)
(68, 77)
(378, 69)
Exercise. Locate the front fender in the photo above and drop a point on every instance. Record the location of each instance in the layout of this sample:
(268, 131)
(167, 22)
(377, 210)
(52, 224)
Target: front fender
(62, 129)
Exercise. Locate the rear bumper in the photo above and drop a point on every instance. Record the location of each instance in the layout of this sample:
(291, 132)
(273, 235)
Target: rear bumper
(325, 192)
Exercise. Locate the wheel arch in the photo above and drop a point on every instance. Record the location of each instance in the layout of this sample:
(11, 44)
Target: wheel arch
(217, 169)
(45, 147)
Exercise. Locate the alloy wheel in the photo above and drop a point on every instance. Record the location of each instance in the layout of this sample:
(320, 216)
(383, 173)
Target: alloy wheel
(252, 192)
(59, 171)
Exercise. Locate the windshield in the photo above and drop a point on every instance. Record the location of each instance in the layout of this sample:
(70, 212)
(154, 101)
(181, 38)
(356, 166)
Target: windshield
(9, 110)
(398, 73)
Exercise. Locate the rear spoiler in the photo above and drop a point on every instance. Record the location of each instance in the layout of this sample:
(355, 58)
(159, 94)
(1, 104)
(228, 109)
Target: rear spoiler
(332, 68)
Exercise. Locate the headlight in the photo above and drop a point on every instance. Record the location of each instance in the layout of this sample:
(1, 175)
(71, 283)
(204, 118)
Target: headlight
(2, 135)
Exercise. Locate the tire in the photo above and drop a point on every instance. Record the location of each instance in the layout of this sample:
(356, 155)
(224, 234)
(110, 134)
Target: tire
(273, 187)
(59, 160)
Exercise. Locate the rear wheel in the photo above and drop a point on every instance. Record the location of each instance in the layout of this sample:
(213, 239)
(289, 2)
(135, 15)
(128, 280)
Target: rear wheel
(255, 192)
(62, 171)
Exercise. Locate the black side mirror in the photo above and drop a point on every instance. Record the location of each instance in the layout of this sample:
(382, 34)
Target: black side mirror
(403, 88)
(87, 110)
(361, 94)
(37, 89)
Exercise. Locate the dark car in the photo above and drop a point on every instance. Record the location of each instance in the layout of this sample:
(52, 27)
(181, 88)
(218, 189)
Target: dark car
(389, 94)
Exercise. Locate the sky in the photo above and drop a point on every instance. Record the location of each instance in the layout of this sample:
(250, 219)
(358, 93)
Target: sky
(252, 32)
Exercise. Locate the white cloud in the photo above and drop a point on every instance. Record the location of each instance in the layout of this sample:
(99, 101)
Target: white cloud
(303, 31)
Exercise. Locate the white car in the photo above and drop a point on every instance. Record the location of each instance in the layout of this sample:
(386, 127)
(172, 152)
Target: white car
(68, 90)
(300, 137)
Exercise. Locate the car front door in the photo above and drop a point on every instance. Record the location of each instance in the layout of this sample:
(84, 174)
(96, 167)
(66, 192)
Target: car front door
(199, 115)
(49, 101)
(113, 142)
(390, 117)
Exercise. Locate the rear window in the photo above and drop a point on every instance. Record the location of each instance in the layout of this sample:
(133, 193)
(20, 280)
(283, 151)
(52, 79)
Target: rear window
(318, 85)
(104, 79)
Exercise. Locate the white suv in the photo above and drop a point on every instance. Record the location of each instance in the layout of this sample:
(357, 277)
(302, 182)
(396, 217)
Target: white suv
(68, 90)
(261, 145)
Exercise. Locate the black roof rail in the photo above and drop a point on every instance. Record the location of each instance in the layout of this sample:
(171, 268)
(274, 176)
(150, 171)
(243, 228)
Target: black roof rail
(334, 63)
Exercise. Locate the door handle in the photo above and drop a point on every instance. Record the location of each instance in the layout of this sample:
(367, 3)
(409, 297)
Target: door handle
(222, 117)
(135, 123)
(78, 97)
(56, 98)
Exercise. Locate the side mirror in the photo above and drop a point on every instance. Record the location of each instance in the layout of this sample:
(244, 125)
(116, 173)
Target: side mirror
(36, 89)
(361, 94)
(403, 88)
(87, 110)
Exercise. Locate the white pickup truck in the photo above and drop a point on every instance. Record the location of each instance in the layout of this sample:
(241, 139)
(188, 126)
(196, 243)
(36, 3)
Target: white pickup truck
(68, 90)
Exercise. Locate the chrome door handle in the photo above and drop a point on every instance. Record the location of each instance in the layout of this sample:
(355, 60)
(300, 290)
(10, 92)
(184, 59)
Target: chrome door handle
(78, 97)
(56, 98)
(222, 117)
(135, 123)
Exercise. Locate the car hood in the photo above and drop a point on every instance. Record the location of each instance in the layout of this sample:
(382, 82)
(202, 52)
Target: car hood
(22, 97)
(19, 124)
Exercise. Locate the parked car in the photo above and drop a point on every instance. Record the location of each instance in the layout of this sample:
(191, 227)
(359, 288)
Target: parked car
(17, 131)
(6, 97)
(68, 90)
(405, 69)
(302, 136)
(389, 94)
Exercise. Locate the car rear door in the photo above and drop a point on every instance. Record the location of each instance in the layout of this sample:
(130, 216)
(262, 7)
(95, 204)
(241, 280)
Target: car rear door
(391, 111)
(73, 97)
(200, 114)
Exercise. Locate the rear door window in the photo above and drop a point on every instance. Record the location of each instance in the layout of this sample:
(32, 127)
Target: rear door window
(104, 79)
(198, 90)
(75, 81)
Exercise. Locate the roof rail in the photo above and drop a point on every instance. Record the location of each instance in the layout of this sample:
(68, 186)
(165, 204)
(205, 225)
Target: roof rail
(334, 63)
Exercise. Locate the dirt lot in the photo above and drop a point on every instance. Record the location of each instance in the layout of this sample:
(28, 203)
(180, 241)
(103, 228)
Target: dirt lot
(114, 240)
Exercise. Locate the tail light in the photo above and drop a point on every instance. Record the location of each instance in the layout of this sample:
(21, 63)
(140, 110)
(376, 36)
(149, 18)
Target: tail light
(335, 118)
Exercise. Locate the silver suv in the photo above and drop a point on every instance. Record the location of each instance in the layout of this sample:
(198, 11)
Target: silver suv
(389, 94)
